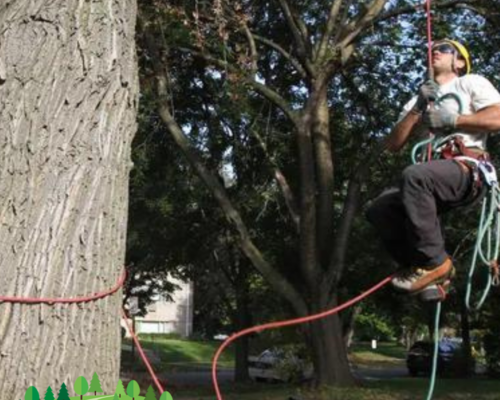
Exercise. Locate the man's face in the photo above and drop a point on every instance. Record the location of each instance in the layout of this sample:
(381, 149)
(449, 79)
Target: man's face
(444, 58)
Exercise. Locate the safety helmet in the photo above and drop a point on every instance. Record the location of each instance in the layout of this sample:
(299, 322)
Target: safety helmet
(462, 51)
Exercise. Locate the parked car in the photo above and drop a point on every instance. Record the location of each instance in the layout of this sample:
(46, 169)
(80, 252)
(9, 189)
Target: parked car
(277, 365)
(451, 360)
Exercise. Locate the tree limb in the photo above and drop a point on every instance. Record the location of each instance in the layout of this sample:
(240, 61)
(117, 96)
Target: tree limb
(260, 88)
(290, 201)
(295, 63)
(411, 9)
(296, 32)
(358, 26)
(330, 25)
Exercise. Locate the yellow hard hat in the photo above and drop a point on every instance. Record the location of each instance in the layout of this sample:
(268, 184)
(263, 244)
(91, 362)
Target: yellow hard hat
(462, 51)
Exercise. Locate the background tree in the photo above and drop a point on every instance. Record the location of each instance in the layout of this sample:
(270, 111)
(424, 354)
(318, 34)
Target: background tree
(67, 118)
(81, 386)
(63, 393)
(31, 394)
(120, 389)
(166, 396)
(133, 389)
(95, 384)
(49, 395)
(150, 395)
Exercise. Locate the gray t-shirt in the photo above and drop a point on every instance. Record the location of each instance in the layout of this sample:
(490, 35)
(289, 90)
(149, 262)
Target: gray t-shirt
(475, 92)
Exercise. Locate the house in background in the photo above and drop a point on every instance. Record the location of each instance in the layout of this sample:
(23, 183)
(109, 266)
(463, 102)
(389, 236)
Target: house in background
(165, 316)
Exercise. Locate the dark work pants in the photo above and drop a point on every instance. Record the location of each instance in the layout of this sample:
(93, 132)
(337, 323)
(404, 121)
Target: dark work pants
(407, 218)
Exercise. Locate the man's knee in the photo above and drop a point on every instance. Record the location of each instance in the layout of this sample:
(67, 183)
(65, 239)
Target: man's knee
(414, 175)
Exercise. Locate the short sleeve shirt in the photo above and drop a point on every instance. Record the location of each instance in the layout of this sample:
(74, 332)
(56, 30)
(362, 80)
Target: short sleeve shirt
(475, 93)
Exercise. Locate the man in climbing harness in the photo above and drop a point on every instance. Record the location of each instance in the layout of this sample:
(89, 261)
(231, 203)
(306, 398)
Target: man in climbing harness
(460, 109)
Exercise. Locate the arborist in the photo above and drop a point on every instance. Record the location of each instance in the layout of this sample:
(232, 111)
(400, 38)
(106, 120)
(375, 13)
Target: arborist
(460, 109)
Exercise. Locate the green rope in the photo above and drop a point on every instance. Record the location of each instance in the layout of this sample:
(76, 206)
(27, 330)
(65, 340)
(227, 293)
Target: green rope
(488, 232)
(436, 352)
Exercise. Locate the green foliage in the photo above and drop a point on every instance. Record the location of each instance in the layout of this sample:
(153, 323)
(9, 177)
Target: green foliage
(150, 394)
(133, 389)
(81, 386)
(49, 395)
(369, 326)
(95, 384)
(31, 394)
(63, 393)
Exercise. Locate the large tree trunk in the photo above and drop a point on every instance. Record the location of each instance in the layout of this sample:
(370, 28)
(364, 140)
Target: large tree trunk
(68, 89)
(329, 352)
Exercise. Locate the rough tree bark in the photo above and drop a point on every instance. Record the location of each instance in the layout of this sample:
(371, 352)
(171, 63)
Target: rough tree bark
(68, 91)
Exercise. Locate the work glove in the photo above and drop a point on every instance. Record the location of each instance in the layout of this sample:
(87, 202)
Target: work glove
(440, 119)
(428, 92)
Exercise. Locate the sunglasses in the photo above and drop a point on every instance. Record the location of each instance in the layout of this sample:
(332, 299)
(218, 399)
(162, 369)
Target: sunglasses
(444, 48)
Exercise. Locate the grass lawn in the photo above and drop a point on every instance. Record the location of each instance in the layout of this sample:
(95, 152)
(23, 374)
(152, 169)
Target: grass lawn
(183, 354)
(385, 353)
(180, 354)
(394, 389)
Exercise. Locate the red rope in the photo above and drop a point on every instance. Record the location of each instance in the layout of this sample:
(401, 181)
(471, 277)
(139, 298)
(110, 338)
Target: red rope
(430, 71)
(280, 324)
(143, 355)
(51, 301)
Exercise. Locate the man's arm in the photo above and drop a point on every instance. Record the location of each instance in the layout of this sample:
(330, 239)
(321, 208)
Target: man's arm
(402, 132)
(485, 120)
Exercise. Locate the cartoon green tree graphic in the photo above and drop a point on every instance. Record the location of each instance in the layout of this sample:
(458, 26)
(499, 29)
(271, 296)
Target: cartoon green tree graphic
(150, 395)
(31, 394)
(116, 397)
(81, 386)
(49, 395)
(95, 384)
(119, 388)
(63, 393)
(166, 396)
(133, 389)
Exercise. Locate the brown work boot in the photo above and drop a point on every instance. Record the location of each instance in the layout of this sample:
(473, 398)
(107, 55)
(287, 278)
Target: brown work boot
(415, 279)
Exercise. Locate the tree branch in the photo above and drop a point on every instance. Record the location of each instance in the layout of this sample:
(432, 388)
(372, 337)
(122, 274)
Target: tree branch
(296, 64)
(411, 9)
(356, 27)
(330, 25)
(253, 47)
(300, 36)
(260, 88)
(290, 201)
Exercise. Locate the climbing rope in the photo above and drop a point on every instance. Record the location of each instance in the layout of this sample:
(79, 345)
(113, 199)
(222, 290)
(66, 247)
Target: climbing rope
(85, 299)
(142, 353)
(487, 246)
(59, 300)
(281, 324)
(432, 383)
